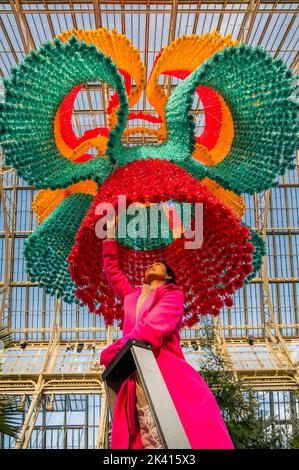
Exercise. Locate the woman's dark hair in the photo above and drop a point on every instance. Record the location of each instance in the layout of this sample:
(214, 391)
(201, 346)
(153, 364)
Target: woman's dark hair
(170, 273)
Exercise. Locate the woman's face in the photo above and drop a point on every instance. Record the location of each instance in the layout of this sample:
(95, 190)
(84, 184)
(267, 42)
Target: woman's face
(156, 270)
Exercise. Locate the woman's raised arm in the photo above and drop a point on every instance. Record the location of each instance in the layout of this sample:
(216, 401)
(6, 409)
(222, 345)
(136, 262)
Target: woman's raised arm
(116, 278)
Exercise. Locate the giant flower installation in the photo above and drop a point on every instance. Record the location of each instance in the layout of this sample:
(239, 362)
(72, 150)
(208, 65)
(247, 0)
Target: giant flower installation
(249, 139)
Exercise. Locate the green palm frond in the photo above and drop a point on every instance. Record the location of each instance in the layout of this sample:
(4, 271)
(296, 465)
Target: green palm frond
(5, 336)
(10, 417)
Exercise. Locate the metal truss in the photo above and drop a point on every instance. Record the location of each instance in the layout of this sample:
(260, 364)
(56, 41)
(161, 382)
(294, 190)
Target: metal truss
(8, 204)
(273, 335)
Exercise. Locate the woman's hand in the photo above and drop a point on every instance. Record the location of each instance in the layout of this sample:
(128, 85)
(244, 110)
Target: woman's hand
(111, 221)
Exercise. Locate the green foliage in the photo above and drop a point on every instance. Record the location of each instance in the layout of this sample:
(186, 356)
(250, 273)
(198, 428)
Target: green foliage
(5, 336)
(9, 415)
(247, 427)
(294, 439)
(10, 419)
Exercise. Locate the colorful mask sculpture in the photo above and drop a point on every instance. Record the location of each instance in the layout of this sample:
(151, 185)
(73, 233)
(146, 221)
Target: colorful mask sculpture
(249, 139)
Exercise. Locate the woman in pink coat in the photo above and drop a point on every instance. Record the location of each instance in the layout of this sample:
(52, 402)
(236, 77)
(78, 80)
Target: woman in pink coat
(153, 313)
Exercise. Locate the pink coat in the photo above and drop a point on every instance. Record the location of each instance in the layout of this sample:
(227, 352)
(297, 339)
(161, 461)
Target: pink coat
(158, 324)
